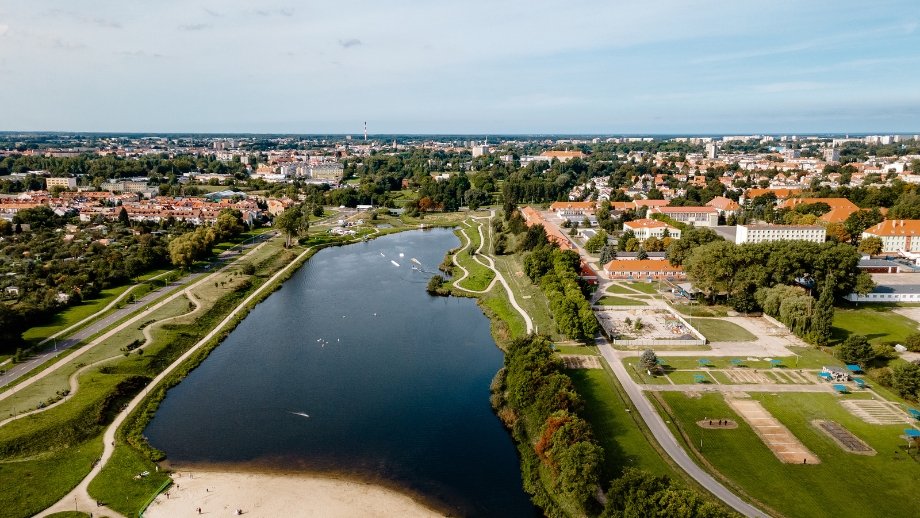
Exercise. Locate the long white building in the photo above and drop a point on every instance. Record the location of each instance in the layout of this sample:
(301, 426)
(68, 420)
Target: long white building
(768, 233)
(646, 228)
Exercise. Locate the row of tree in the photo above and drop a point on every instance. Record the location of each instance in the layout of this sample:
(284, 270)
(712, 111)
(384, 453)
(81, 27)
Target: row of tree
(556, 271)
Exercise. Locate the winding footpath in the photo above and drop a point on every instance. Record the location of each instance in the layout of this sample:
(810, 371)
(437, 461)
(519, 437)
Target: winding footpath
(74, 380)
(79, 496)
(528, 322)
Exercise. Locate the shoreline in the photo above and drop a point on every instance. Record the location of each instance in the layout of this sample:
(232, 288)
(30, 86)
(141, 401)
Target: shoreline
(267, 493)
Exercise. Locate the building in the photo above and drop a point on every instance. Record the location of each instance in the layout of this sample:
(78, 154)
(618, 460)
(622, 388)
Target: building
(646, 228)
(65, 182)
(836, 373)
(533, 217)
(696, 216)
(644, 269)
(833, 203)
(480, 150)
(712, 151)
(896, 234)
(769, 233)
(332, 171)
(568, 209)
(725, 206)
(891, 287)
(633, 256)
(832, 154)
(129, 186)
(562, 156)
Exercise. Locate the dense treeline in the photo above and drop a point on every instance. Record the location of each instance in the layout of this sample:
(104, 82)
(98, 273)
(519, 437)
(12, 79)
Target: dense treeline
(561, 462)
(556, 271)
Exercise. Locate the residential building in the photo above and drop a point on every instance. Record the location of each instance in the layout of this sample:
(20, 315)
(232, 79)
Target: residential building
(480, 150)
(562, 156)
(65, 182)
(644, 269)
(832, 154)
(696, 216)
(646, 228)
(533, 217)
(896, 234)
(769, 233)
(725, 206)
(574, 208)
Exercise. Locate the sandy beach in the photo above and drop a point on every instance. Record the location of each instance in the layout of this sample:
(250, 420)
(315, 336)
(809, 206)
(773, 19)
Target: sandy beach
(274, 495)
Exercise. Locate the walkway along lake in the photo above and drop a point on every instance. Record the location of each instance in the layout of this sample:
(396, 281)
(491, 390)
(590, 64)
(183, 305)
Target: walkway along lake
(400, 398)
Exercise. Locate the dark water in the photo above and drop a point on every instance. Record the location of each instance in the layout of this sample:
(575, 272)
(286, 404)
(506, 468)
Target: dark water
(400, 398)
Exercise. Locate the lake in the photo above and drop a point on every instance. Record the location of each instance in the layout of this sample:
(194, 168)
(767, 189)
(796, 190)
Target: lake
(395, 383)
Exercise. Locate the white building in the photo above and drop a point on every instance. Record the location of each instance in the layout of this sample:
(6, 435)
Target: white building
(646, 228)
(896, 234)
(768, 233)
(697, 216)
(832, 154)
(480, 150)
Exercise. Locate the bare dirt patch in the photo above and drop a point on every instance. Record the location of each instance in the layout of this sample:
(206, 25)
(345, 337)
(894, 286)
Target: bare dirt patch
(748, 376)
(578, 361)
(844, 438)
(718, 424)
(773, 433)
(874, 411)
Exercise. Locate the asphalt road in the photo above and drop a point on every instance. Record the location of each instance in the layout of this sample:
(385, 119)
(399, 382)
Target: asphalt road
(666, 439)
(73, 339)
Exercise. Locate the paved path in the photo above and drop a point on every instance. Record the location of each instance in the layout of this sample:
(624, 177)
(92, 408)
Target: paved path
(80, 493)
(24, 368)
(528, 322)
(89, 331)
(700, 387)
(74, 380)
(664, 436)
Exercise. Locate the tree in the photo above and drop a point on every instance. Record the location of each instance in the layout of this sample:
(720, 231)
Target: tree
(905, 377)
(291, 224)
(822, 316)
(864, 284)
(123, 216)
(608, 253)
(641, 254)
(912, 342)
(648, 360)
(871, 245)
(435, 284)
(856, 349)
(597, 242)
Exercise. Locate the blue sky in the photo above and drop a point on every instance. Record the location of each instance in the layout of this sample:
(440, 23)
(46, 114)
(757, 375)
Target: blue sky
(433, 66)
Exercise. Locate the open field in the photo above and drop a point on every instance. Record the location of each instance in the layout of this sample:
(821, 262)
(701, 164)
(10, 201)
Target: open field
(650, 288)
(716, 330)
(843, 484)
(614, 426)
(880, 324)
(621, 289)
(26, 487)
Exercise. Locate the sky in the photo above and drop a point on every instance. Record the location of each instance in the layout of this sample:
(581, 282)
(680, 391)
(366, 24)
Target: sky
(605, 67)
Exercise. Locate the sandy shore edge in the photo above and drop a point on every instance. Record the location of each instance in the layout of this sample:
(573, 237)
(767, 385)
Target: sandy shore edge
(221, 493)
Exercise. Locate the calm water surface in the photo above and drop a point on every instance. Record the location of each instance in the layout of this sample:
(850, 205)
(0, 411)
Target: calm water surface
(400, 398)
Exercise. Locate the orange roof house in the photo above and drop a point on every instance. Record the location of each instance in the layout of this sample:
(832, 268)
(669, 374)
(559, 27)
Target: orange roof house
(622, 269)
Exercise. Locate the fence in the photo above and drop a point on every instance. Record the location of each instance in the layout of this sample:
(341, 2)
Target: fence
(699, 340)
(155, 494)
(651, 342)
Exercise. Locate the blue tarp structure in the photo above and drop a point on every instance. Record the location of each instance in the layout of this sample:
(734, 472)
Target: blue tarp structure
(703, 362)
(737, 362)
(699, 378)
(841, 388)
(912, 433)
(774, 363)
(854, 368)
(825, 375)
(660, 362)
(914, 413)
(859, 383)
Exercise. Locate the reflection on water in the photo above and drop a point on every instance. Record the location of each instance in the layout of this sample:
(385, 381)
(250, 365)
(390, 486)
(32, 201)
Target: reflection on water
(351, 368)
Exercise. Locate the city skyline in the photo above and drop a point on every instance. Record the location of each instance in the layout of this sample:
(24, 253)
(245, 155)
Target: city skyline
(705, 67)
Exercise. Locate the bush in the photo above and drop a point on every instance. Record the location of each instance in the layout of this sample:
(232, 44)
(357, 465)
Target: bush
(856, 349)
(912, 342)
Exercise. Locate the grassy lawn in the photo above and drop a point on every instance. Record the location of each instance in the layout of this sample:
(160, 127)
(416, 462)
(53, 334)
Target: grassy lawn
(878, 323)
(687, 377)
(500, 306)
(650, 288)
(640, 375)
(722, 331)
(74, 314)
(69, 514)
(620, 289)
(115, 484)
(623, 441)
(33, 484)
(620, 301)
(842, 485)
(701, 310)
(535, 303)
(479, 276)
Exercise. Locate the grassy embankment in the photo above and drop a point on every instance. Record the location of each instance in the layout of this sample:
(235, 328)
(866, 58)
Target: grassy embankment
(844, 484)
(61, 428)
